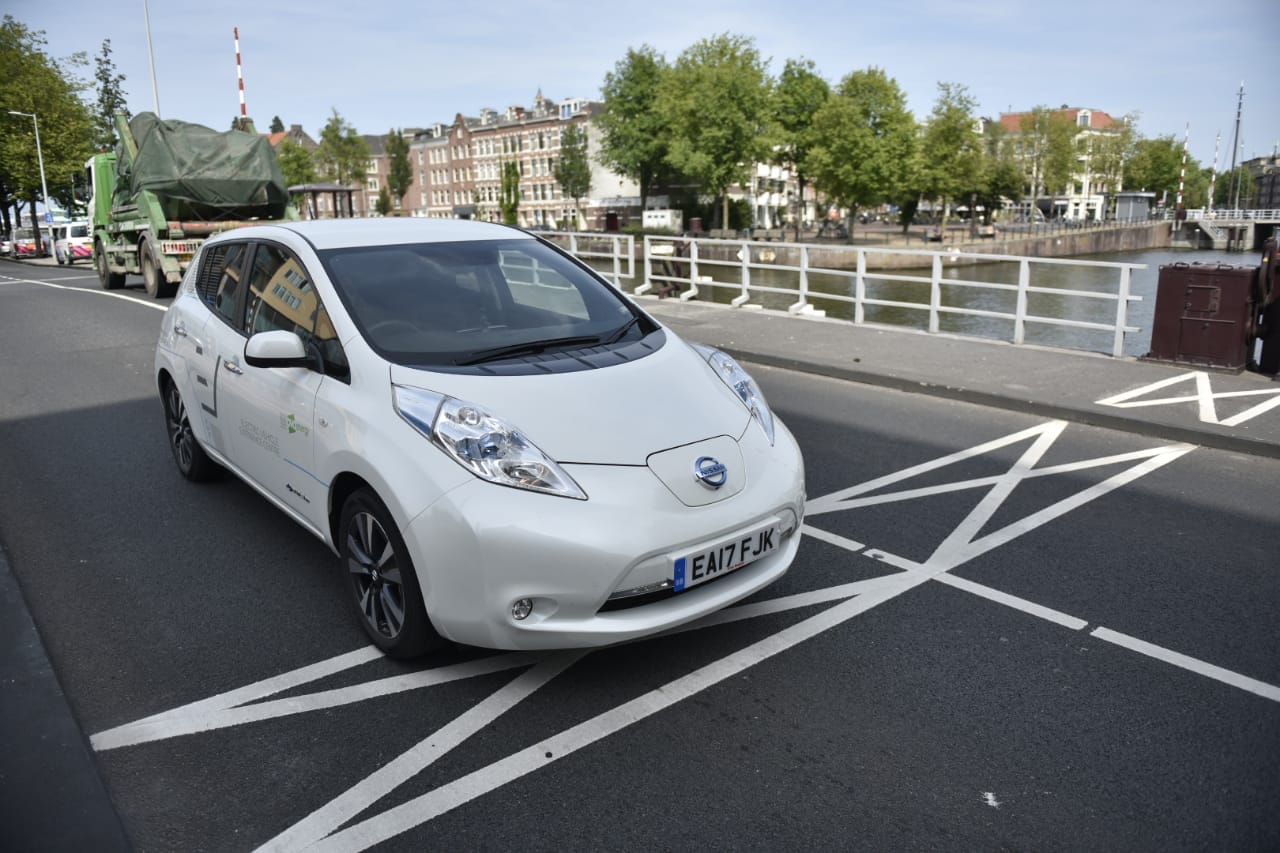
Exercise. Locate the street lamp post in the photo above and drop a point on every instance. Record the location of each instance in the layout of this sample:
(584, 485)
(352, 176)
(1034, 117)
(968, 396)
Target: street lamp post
(44, 188)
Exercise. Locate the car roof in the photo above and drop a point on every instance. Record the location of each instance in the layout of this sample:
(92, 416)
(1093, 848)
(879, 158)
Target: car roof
(386, 231)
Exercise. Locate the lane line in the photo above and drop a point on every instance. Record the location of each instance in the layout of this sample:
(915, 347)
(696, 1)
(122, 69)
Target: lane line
(113, 295)
(831, 538)
(175, 723)
(431, 805)
(390, 776)
(1208, 670)
(1029, 607)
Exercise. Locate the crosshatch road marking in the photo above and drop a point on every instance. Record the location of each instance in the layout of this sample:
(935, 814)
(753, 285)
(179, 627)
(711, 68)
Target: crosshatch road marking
(329, 827)
(1204, 398)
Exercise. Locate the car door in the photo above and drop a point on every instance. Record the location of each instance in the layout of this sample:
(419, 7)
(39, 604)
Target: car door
(275, 407)
(206, 331)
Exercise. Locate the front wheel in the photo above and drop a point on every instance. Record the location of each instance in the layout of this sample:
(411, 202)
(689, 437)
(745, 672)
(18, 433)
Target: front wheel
(192, 461)
(381, 578)
(108, 279)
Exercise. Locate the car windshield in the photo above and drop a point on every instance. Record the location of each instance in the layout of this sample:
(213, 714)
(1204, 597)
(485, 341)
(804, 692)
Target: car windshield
(464, 303)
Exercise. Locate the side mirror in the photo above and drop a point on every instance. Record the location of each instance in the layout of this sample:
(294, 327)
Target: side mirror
(277, 349)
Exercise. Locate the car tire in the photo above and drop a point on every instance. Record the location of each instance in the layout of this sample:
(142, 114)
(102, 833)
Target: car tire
(109, 280)
(192, 461)
(153, 278)
(381, 579)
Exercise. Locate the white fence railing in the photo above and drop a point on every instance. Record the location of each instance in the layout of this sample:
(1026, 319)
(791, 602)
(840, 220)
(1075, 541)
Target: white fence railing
(616, 250)
(689, 266)
(783, 273)
(1222, 213)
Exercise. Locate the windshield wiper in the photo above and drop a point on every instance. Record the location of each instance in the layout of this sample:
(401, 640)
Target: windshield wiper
(530, 348)
(621, 333)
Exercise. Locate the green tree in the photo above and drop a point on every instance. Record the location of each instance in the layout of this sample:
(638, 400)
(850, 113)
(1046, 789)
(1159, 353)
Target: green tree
(383, 204)
(400, 173)
(296, 162)
(342, 155)
(797, 97)
(1229, 193)
(866, 143)
(573, 169)
(111, 99)
(277, 126)
(1155, 167)
(1002, 177)
(509, 192)
(1048, 152)
(34, 83)
(633, 139)
(1107, 153)
(715, 103)
(952, 157)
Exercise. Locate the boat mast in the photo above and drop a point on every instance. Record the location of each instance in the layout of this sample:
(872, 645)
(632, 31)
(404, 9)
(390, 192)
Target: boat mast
(1235, 148)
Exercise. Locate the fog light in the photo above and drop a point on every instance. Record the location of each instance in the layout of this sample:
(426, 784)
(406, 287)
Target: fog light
(521, 609)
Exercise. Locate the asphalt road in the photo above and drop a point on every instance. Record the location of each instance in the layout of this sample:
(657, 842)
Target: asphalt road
(1002, 632)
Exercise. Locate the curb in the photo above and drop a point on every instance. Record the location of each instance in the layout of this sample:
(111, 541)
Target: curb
(52, 796)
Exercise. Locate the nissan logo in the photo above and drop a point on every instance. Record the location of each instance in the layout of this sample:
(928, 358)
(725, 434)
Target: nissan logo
(710, 472)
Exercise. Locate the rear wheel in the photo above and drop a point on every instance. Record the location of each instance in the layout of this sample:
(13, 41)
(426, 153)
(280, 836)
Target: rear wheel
(153, 278)
(109, 280)
(381, 578)
(187, 452)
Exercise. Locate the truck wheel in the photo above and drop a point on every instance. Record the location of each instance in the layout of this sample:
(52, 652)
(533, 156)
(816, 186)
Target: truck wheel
(108, 279)
(153, 278)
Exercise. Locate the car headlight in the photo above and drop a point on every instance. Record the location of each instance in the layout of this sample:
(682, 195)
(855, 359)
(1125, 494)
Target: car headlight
(728, 369)
(484, 444)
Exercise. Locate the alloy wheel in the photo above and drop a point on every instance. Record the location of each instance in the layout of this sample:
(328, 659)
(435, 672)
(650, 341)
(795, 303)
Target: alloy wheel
(180, 436)
(375, 573)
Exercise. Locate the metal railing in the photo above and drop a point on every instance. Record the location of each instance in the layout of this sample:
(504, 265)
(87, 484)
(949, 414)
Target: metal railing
(616, 250)
(1228, 214)
(688, 266)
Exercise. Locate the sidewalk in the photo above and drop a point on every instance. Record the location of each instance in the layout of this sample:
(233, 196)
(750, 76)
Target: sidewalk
(1235, 412)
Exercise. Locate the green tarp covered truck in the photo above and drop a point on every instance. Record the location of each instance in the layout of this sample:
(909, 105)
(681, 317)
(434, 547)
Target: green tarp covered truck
(168, 186)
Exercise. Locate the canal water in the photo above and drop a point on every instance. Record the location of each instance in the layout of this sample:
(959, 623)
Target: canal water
(1066, 277)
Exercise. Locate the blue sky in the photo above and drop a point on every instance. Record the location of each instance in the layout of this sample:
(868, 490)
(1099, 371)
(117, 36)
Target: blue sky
(393, 63)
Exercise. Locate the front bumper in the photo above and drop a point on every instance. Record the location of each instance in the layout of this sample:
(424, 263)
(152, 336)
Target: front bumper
(482, 547)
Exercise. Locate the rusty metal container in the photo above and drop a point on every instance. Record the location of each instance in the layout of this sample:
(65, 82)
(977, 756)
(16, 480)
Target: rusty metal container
(1204, 315)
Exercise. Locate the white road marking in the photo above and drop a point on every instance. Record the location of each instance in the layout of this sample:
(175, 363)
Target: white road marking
(960, 546)
(232, 708)
(1037, 610)
(1203, 398)
(428, 806)
(387, 778)
(832, 539)
(1208, 670)
(110, 293)
(990, 799)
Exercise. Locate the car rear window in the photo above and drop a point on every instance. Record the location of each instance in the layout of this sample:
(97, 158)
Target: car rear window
(451, 304)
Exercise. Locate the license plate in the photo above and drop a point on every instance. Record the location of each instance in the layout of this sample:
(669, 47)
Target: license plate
(725, 556)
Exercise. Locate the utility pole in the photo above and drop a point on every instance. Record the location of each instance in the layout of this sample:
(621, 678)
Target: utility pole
(44, 188)
(155, 92)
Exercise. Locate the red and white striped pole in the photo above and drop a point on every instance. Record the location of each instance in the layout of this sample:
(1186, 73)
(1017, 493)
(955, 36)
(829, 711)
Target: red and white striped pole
(1182, 176)
(240, 74)
(1213, 176)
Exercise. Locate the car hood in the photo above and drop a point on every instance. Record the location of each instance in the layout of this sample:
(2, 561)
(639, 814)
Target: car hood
(617, 415)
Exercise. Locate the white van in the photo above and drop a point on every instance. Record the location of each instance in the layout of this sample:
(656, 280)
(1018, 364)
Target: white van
(73, 241)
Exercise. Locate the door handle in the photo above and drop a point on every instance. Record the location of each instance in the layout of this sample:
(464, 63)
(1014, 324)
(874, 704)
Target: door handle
(232, 367)
(180, 329)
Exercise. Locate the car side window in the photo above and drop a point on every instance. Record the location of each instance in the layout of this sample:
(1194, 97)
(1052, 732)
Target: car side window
(281, 297)
(218, 282)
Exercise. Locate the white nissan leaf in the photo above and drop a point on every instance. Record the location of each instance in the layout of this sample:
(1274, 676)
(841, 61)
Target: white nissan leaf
(501, 448)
